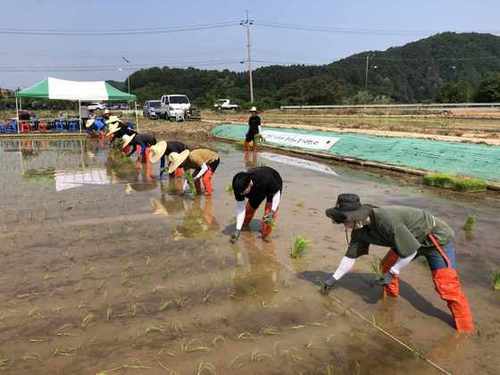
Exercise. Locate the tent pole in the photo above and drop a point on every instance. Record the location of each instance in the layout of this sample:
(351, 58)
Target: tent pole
(136, 116)
(17, 116)
(80, 114)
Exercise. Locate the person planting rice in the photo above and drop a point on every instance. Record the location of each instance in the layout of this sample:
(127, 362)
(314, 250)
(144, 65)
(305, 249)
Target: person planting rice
(409, 232)
(254, 123)
(204, 162)
(256, 185)
(117, 128)
(161, 151)
(143, 141)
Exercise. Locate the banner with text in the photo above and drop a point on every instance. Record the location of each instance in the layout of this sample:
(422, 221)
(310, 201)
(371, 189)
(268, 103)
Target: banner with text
(300, 140)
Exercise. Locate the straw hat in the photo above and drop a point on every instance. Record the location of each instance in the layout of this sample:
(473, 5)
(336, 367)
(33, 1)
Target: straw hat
(113, 128)
(113, 119)
(89, 122)
(175, 160)
(157, 151)
(127, 139)
(253, 109)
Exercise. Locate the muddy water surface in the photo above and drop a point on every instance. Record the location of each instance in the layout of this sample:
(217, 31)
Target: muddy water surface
(106, 269)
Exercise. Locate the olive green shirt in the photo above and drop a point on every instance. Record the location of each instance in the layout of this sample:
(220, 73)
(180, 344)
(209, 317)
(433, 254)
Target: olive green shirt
(404, 229)
(199, 157)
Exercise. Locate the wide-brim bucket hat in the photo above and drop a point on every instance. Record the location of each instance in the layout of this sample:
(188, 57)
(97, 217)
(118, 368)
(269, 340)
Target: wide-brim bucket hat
(349, 209)
(175, 160)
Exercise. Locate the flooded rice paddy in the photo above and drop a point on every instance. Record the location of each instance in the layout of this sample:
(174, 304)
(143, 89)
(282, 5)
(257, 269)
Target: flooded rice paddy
(104, 269)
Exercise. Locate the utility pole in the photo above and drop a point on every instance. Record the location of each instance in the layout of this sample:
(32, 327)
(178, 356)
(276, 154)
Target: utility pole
(366, 71)
(128, 75)
(247, 22)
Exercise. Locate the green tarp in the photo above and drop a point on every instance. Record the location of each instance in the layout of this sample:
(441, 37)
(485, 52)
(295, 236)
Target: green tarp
(464, 159)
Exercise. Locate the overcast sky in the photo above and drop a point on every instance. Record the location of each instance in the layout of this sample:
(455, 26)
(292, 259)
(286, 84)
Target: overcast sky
(341, 27)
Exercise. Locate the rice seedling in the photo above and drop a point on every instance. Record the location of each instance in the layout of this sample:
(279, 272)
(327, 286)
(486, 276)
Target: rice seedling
(229, 188)
(39, 340)
(496, 280)
(237, 362)
(375, 266)
(206, 367)
(165, 305)
(31, 357)
(470, 223)
(299, 247)
(89, 318)
(270, 331)
(65, 352)
(109, 313)
(3, 362)
(257, 356)
(329, 370)
(245, 336)
(191, 347)
(217, 339)
(169, 371)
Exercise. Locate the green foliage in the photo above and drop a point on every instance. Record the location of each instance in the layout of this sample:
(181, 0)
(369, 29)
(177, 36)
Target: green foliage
(229, 188)
(299, 247)
(457, 183)
(496, 280)
(489, 89)
(446, 67)
(455, 92)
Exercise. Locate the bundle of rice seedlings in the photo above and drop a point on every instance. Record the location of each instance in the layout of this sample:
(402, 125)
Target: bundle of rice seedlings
(299, 247)
(190, 181)
(470, 223)
(458, 183)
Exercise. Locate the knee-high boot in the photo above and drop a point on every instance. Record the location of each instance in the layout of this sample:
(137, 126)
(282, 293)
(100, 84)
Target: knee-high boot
(391, 289)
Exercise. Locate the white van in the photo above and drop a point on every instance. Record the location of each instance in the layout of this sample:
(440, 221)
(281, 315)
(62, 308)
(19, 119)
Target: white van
(174, 107)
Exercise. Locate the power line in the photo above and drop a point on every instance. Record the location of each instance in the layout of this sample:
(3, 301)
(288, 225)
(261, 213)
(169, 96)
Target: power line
(111, 32)
(345, 30)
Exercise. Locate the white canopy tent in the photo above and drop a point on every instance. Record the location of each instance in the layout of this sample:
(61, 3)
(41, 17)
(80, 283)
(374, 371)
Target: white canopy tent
(78, 91)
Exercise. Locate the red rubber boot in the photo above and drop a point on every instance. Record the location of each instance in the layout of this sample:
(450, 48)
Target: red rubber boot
(448, 286)
(392, 289)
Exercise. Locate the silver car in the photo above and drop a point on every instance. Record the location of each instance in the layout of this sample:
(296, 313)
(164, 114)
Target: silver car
(150, 109)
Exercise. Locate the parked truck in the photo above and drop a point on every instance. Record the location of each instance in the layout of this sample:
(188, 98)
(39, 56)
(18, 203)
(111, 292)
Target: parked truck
(225, 105)
(174, 107)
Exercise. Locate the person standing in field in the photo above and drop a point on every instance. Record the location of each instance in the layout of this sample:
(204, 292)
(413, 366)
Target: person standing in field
(408, 232)
(254, 123)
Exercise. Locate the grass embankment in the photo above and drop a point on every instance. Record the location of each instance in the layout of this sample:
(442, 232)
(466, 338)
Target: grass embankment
(458, 183)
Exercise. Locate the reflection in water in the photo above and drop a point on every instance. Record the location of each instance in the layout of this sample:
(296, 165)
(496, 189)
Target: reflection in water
(257, 271)
(197, 220)
(250, 157)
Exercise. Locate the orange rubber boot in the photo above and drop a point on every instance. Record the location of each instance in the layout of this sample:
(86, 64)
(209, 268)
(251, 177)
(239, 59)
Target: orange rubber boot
(266, 229)
(179, 172)
(449, 289)
(392, 289)
(207, 182)
(249, 213)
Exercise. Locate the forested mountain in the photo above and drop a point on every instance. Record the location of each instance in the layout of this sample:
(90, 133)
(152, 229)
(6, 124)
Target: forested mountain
(446, 67)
